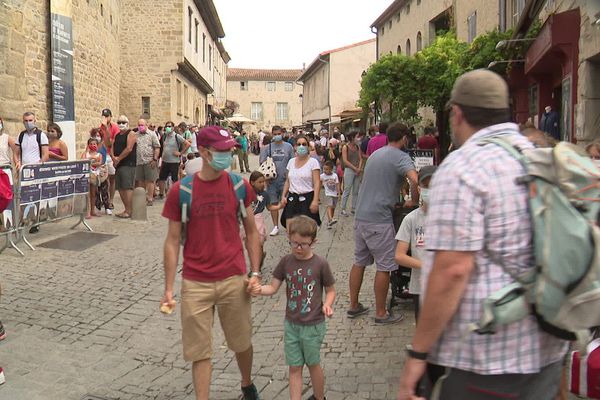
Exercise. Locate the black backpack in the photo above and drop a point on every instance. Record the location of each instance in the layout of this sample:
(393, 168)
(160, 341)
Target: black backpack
(38, 137)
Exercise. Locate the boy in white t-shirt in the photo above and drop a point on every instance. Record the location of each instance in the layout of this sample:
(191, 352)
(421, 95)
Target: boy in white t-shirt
(331, 183)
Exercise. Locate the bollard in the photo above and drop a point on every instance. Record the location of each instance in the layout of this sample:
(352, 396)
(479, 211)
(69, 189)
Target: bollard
(138, 205)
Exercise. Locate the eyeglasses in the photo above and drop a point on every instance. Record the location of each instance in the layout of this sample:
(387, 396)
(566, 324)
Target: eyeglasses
(298, 245)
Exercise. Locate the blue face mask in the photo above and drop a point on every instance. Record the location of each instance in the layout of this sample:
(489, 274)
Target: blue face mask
(277, 138)
(425, 195)
(302, 150)
(221, 160)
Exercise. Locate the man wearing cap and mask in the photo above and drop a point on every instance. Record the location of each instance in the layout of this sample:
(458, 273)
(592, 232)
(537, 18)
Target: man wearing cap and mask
(108, 131)
(478, 220)
(214, 266)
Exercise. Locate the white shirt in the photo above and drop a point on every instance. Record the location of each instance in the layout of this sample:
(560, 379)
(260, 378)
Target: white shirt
(323, 141)
(194, 145)
(301, 180)
(30, 151)
(261, 137)
(330, 183)
(193, 166)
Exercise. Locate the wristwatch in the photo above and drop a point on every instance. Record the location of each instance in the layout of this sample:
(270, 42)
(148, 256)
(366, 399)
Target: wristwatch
(415, 354)
(252, 274)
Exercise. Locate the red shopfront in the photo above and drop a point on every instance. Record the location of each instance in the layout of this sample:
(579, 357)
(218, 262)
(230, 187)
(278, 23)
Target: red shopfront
(549, 74)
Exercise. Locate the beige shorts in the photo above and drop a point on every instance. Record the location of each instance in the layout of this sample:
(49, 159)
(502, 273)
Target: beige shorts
(146, 173)
(198, 303)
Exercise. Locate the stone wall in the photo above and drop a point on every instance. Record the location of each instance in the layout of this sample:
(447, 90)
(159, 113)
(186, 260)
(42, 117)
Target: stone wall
(24, 55)
(151, 47)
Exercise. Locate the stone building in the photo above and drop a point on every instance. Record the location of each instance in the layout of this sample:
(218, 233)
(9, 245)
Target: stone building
(268, 96)
(331, 84)
(136, 57)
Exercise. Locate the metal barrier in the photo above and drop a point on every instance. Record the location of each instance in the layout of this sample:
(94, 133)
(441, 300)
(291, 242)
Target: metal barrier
(52, 192)
(9, 218)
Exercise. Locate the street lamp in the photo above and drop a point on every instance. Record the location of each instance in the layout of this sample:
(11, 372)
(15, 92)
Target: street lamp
(501, 44)
(494, 63)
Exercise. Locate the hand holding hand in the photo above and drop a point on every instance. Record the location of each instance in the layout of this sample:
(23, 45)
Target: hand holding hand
(283, 202)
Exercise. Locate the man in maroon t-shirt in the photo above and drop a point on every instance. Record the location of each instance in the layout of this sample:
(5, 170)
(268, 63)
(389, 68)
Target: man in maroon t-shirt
(429, 142)
(214, 267)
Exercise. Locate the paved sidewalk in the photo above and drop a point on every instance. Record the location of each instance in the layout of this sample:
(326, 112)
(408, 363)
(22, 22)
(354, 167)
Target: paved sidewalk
(88, 323)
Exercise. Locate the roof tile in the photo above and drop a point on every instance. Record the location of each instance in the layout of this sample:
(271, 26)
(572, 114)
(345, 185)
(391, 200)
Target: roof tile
(239, 74)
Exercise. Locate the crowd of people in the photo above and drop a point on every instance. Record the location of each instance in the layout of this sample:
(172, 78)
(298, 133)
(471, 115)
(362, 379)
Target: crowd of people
(469, 220)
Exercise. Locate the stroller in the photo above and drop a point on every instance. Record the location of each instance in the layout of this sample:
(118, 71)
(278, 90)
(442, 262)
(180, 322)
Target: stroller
(400, 278)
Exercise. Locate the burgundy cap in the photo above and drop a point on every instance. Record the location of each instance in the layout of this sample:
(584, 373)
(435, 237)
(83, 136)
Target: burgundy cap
(215, 137)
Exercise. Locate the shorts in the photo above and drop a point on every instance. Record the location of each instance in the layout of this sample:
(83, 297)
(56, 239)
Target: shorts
(169, 169)
(375, 242)
(125, 178)
(146, 173)
(275, 190)
(259, 220)
(198, 303)
(331, 201)
(302, 343)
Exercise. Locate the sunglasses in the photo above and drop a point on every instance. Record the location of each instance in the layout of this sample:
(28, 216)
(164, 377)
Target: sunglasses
(121, 122)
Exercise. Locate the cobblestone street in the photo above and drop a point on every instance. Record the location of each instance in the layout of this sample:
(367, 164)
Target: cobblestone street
(87, 323)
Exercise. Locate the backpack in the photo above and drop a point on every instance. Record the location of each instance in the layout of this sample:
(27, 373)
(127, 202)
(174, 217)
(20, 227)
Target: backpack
(563, 290)
(6, 190)
(185, 199)
(38, 138)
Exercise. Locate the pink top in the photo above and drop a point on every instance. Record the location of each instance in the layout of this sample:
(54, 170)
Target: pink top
(376, 143)
(55, 150)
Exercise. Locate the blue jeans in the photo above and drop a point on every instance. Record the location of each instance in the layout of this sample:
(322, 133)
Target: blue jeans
(351, 183)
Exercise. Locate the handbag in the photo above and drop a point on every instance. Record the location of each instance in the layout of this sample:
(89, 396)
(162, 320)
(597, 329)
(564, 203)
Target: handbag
(267, 168)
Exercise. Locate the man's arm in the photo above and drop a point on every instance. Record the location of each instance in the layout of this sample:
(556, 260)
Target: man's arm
(171, 256)
(269, 290)
(445, 288)
(45, 153)
(253, 244)
(16, 154)
(413, 178)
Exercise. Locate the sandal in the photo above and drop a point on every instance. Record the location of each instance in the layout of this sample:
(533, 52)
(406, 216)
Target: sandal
(123, 215)
(359, 311)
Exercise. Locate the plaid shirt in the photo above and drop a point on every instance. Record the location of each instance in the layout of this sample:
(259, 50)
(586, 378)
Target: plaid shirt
(475, 204)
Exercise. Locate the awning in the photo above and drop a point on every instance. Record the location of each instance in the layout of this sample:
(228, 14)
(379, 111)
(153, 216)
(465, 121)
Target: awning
(353, 112)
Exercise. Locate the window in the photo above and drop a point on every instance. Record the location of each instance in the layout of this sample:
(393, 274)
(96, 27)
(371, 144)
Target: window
(271, 86)
(398, 17)
(178, 97)
(190, 13)
(502, 15)
(243, 86)
(185, 100)
(111, 21)
(408, 47)
(282, 111)
(146, 106)
(209, 57)
(419, 42)
(289, 86)
(390, 24)
(382, 30)
(256, 111)
(517, 8)
(472, 26)
(407, 9)
(399, 49)
(196, 36)
(203, 48)
(101, 10)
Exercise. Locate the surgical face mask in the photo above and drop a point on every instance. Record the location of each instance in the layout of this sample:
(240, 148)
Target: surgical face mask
(277, 138)
(141, 128)
(93, 147)
(122, 126)
(425, 195)
(221, 160)
(302, 150)
(29, 125)
(168, 129)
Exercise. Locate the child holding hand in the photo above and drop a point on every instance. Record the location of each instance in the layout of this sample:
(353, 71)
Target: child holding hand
(306, 275)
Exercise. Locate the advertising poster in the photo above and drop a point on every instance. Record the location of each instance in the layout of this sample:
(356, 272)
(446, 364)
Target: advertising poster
(53, 190)
(421, 158)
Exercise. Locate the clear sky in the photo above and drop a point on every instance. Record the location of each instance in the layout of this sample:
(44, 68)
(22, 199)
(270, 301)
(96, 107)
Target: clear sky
(287, 33)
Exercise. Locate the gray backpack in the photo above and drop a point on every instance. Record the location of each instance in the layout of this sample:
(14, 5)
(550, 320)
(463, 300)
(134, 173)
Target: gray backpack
(563, 290)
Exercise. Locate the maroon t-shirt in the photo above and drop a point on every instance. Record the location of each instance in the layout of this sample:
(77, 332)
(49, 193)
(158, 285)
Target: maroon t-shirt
(427, 142)
(213, 249)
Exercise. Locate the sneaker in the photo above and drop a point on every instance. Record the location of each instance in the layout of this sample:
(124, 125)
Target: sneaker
(2, 379)
(344, 213)
(312, 397)
(333, 222)
(108, 211)
(250, 393)
(389, 319)
(275, 231)
(34, 229)
(2, 332)
(359, 311)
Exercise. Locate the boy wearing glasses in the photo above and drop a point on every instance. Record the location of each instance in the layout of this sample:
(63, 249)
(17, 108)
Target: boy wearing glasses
(306, 274)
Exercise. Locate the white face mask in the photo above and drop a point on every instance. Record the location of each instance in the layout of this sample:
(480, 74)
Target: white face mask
(424, 195)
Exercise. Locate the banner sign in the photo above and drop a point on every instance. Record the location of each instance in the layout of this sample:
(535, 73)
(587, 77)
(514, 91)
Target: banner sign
(421, 158)
(53, 190)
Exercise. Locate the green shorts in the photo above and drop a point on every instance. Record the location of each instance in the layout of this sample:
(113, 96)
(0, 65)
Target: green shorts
(303, 343)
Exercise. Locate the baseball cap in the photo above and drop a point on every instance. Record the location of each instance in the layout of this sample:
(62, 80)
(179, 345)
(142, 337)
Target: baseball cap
(215, 137)
(106, 112)
(426, 172)
(480, 88)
